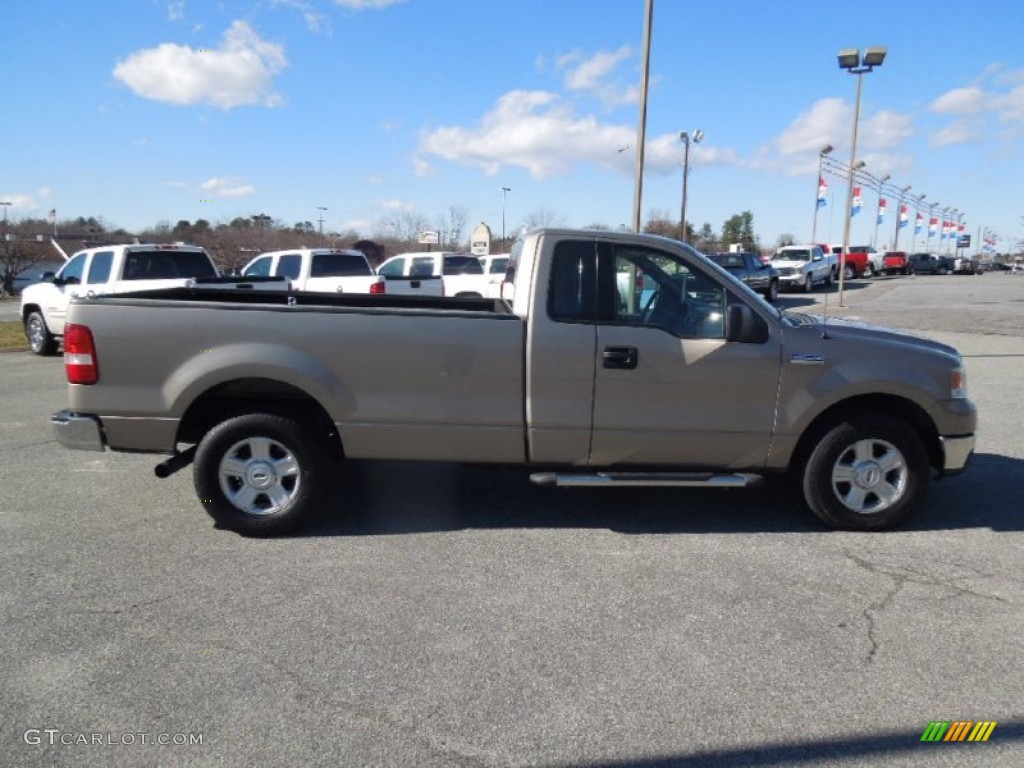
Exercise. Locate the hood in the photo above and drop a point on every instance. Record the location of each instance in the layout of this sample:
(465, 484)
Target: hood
(856, 330)
(783, 263)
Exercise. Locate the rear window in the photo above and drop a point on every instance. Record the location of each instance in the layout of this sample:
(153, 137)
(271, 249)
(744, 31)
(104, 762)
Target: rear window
(462, 265)
(162, 265)
(727, 260)
(498, 266)
(339, 265)
(796, 255)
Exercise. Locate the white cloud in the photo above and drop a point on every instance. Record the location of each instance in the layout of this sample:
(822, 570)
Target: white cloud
(824, 123)
(1009, 107)
(531, 130)
(885, 129)
(590, 75)
(238, 73)
(227, 187)
(176, 10)
(366, 5)
(960, 132)
(397, 205)
(960, 101)
(313, 18)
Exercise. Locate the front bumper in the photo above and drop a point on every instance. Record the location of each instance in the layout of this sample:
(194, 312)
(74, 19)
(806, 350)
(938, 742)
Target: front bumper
(794, 279)
(956, 453)
(79, 431)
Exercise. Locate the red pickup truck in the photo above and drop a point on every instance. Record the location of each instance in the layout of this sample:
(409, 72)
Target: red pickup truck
(895, 263)
(856, 263)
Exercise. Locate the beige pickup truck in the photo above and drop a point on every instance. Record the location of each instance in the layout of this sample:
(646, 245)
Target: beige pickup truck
(623, 360)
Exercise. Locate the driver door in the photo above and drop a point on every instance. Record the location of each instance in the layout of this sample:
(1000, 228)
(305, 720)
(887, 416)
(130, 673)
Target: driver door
(669, 388)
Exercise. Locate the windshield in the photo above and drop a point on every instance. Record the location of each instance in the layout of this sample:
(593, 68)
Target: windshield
(462, 265)
(738, 286)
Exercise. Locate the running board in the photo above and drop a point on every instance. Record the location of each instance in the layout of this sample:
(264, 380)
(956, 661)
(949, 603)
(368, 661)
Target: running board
(647, 480)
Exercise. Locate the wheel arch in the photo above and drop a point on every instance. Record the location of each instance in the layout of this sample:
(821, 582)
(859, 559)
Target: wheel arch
(240, 396)
(892, 406)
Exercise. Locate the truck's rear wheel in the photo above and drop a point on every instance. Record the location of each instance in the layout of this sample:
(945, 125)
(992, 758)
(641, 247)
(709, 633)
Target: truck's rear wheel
(259, 474)
(866, 474)
(40, 340)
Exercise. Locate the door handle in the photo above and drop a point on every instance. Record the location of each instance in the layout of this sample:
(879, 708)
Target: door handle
(620, 357)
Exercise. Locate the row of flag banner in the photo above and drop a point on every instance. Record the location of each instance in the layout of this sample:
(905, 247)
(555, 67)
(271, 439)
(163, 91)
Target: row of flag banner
(949, 227)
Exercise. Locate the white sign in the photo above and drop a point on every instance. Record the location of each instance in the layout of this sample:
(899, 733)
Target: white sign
(429, 237)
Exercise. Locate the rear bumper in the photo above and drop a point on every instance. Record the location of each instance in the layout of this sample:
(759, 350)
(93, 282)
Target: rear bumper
(79, 431)
(956, 453)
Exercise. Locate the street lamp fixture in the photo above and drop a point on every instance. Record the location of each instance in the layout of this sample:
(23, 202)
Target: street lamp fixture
(6, 204)
(261, 219)
(819, 191)
(686, 138)
(850, 60)
(504, 194)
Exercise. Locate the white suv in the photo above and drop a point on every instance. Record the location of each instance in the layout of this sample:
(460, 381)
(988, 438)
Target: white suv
(802, 267)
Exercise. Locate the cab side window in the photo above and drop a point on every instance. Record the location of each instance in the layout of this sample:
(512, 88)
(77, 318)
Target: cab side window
(660, 290)
(99, 267)
(289, 265)
(572, 291)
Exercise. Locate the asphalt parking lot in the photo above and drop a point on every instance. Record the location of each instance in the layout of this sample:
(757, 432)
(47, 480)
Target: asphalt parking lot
(447, 615)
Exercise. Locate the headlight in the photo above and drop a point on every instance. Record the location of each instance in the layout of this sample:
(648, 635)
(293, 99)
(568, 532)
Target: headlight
(958, 383)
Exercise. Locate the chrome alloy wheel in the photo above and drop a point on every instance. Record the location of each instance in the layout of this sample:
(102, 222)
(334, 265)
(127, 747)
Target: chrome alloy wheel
(259, 476)
(870, 476)
(36, 331)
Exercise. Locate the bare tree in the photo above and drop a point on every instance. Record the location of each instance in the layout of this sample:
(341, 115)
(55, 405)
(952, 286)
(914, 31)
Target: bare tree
(542, 217)
(403, 225)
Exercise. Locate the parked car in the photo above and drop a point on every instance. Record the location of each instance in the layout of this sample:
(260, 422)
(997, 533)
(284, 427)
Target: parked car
(494, 265)
(35, 274)
(115, 269)
(895, 263)
(857, 262)
(801, 267)
(965, 265)
(930, 264)
(749, 268)
(461, 273)
(832, 257)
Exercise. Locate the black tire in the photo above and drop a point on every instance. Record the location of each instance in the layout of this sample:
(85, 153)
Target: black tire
(40, 340)
(808, 284)
(828, 280)
(866, 474)
(869, 271)
(772, 294)
(260, 474)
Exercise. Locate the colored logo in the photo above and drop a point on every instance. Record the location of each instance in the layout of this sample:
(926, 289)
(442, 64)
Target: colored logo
(958, 730)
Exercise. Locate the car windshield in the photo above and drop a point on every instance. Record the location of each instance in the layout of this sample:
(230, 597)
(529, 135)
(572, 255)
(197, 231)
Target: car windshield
(797, 254)
(339, 265)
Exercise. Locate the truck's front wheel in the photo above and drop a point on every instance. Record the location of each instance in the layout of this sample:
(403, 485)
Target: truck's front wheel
(259, 474)
(40, 340)
(866, 474)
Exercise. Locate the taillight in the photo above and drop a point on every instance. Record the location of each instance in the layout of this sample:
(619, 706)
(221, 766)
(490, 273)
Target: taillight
(80, 362)
(379, 288)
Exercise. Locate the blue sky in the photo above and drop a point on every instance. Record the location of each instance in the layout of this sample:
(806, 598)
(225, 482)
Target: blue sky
(148, 110)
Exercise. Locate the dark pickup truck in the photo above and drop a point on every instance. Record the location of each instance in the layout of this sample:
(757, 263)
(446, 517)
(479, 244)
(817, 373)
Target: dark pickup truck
(749, 268)
(930, 264)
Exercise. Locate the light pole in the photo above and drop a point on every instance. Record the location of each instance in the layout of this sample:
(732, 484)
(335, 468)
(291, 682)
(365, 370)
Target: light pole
(6, 204)
(686, 138)
(641, 130)
(321, 220)
(850, 60)
(899, 218)
(819, 190)
(881, 211)
(504, 194)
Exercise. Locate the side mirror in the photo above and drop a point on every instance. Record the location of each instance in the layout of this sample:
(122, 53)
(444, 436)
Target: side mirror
(745, 326)
(47, 276)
